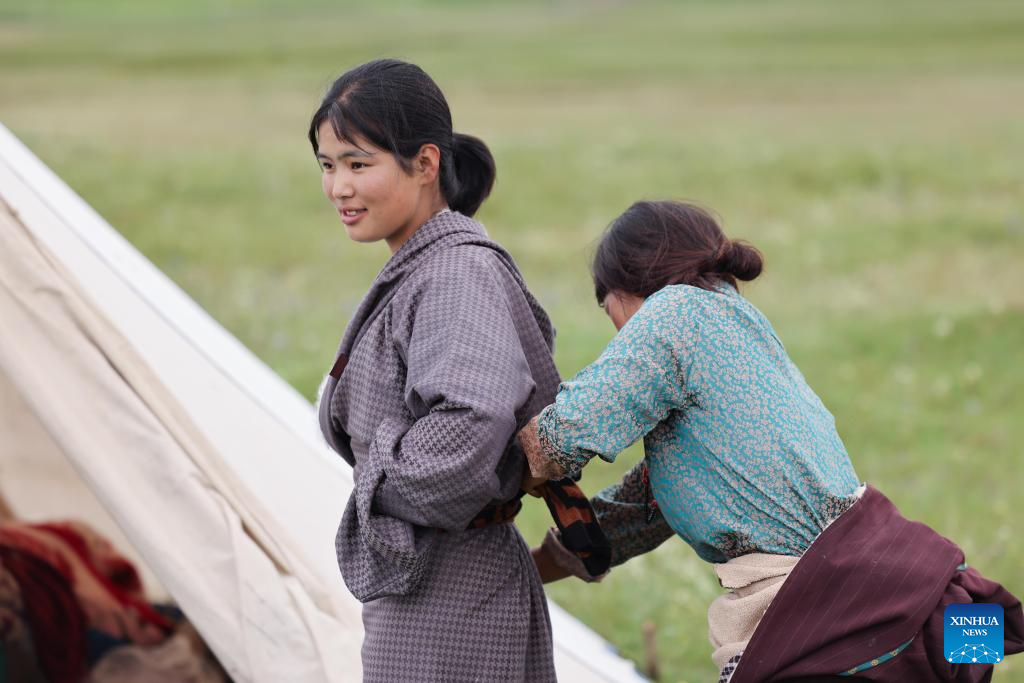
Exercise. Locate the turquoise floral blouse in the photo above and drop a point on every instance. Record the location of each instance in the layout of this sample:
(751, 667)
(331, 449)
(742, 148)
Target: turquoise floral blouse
(741, 454)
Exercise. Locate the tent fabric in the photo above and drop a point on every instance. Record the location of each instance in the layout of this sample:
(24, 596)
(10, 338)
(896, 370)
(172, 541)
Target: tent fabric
(130, 443)
(209, 463)
(41, 484)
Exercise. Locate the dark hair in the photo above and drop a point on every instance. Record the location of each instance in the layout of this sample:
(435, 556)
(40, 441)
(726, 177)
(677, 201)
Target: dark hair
(655, 244)
(397, 107)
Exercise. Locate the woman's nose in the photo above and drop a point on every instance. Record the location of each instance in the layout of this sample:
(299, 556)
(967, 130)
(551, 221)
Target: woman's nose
(342, 187)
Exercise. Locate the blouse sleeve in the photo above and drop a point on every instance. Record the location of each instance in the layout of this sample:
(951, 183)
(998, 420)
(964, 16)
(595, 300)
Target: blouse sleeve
(619, 398)
(467, 378)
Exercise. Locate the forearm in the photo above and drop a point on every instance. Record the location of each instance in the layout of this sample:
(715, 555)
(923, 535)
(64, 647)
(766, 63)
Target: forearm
(625, 511)
(435, 473)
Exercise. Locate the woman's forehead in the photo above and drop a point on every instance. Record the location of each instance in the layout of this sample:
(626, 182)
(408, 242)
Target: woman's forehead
(327, 136)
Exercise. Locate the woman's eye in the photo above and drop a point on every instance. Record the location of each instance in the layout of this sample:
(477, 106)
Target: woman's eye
(356, 165)
(326, 167)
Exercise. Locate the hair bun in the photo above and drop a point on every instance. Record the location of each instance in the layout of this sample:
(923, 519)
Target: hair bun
(740, 260)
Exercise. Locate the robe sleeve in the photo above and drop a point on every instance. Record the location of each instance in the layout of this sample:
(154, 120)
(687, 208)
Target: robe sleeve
(467, 380)
(623, 395)
(622, 511)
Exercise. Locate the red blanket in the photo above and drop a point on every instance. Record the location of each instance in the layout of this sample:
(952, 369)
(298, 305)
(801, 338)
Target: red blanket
(71, 579)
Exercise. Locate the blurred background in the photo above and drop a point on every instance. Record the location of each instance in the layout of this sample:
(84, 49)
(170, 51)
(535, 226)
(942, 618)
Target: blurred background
(874, 151)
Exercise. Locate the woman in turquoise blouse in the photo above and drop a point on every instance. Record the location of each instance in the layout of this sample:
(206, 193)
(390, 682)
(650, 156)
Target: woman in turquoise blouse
(743, 462)
(741, 455)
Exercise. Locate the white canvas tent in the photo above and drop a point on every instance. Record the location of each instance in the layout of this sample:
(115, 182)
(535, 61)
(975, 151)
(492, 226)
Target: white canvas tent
(124, 404)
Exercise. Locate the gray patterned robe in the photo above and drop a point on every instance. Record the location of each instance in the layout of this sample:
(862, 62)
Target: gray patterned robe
(446, 358)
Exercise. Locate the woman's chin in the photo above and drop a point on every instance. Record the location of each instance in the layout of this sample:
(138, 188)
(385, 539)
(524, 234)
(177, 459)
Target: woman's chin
(357, 234)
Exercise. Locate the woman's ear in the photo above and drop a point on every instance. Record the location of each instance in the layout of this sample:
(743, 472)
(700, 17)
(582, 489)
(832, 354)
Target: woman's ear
(427, 163)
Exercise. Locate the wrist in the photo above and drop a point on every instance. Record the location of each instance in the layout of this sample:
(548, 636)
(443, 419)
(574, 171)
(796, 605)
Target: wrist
(541, 466)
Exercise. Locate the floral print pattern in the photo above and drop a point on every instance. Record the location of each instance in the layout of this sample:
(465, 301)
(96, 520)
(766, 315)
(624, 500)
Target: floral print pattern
(743, 456)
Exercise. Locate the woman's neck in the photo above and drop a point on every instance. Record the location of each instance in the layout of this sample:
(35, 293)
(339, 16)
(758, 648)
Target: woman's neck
(431, 209)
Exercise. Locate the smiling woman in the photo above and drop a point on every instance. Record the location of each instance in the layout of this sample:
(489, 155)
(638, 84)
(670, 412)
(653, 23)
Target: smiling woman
(389, 156)
(446, 357)
(375, 197)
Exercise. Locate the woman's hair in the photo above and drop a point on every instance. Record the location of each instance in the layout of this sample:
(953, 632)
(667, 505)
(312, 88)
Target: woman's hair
(397, 107)
(655, 244)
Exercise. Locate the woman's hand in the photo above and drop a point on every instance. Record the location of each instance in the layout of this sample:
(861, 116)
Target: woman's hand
(541, 468)
(532, 484)
(547, 568)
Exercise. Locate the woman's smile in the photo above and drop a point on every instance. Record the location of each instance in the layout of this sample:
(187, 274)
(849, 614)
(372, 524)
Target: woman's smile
(351, 216)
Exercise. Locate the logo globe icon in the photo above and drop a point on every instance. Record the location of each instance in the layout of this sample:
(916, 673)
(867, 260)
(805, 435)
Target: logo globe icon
(974, 654)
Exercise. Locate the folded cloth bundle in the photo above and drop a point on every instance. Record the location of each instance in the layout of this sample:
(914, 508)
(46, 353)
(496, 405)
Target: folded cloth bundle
(577, 524)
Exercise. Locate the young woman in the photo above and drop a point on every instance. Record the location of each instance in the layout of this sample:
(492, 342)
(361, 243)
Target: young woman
(446, 358)
(743, 462)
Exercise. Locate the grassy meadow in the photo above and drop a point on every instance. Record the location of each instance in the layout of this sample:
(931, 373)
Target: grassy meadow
(874, 151)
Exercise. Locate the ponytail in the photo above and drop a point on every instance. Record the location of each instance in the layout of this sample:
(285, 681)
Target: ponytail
(471, 175)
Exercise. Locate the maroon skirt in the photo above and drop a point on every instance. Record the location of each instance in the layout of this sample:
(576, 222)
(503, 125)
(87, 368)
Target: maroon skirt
(867, 600)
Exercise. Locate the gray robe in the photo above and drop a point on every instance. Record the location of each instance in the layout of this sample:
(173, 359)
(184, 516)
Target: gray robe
(446, 358)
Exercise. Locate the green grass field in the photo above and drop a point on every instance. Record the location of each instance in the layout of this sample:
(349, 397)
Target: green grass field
(874, 151)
